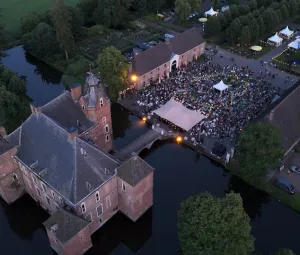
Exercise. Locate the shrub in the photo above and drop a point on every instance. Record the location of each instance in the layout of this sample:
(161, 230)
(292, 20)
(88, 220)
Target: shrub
(78, 67)
(95, 30)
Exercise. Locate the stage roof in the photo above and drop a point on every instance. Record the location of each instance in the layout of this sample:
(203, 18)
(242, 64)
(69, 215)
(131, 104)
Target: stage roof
(295, 44)
(220, 86)
(211, 12)
(286, 31)
(179, 115)
(275, 38)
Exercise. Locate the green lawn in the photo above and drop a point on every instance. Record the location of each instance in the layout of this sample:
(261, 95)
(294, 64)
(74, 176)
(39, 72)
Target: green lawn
(13, 10)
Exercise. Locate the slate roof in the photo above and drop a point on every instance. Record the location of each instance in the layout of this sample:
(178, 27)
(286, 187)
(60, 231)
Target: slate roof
(66, 225)
(286, 116)
(5, 145)
(72, 167)
(156, 56)
(133, 170)
(91, 79)
(67, 113)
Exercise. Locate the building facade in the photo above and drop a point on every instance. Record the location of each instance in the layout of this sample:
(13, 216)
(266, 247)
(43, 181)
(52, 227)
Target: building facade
(157, 62)
(59, 156)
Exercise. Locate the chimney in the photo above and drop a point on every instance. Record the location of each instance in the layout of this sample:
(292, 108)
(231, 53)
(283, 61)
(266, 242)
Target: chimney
(73, 132)
(271, 115)
(2, 131)
(35, 109)
(76, 91)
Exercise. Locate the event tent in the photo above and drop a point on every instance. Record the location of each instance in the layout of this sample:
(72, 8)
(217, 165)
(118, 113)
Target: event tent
(210, 12)
(295, 44)
(220, 86)
(179, 115)
(275, 40)
(286, 32)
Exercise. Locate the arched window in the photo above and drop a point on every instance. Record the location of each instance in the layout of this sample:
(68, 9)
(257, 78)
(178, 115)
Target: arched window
(106, 129)
(101, 102)
(97, 195)
(83, 209)
(15, 177)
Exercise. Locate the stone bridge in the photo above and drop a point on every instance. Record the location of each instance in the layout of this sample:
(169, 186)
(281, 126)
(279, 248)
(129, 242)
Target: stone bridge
(144, 141)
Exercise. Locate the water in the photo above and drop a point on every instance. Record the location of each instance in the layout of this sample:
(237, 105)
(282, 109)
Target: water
(179, 173)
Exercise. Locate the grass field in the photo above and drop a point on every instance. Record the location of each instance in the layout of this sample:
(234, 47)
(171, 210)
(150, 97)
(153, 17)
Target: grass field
(13, 10)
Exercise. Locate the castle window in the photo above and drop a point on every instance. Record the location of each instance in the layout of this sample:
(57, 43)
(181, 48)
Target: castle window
(83, 209)
(107, 138)
(101, 102)
(83, 107)
(33, 178)
(106, 128)
(44, 187)
(97, 196)
(99, 210)
(38, 191)
(53, 194)
(123, 186)
(104, 120)
(15, 177)
(48, 200)
(108, 201)
(89, 217)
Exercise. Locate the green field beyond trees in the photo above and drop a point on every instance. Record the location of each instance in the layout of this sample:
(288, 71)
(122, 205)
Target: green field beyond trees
(11, 11)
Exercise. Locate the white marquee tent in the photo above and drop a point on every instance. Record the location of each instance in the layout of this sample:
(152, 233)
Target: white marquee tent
(275, 40)
(179, 115)
(220, 86)
(286, 32)
(210, 12)
(295, 44)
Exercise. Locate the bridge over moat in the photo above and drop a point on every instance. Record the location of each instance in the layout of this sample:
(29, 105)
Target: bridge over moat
(144, 141)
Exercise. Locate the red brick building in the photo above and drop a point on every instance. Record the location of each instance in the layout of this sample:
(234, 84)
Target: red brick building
(160, 60)
(59, 156)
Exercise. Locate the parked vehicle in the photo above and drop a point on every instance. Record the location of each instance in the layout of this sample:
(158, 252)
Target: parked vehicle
(285, 185)
(295, 169)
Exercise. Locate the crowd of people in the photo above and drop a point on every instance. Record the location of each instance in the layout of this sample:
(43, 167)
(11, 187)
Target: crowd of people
(227, 112)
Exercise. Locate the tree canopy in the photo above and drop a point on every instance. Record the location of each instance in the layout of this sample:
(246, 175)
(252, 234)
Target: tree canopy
(259, 149)
(182, 10)
(113, 71)
(208, 225)
(284, 252)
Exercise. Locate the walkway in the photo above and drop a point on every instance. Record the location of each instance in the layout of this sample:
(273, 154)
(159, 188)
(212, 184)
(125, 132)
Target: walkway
(144, 141)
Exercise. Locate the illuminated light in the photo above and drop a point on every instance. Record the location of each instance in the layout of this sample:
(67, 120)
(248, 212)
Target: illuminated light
(178, 139)
(144, 119)
(134, 78)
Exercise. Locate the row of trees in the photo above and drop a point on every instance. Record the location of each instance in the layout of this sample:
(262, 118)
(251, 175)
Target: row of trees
(208, 225)
(245, 24)
(183, 8)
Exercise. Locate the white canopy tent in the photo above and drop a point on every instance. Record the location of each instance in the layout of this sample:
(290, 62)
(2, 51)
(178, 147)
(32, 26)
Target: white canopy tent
(286, 32)
(295, 44)
(210, 12)
(275, 40)
(220, 86)
(179, 115)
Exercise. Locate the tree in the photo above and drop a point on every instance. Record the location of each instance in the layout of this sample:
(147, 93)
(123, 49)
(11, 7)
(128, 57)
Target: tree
(259, 149)
(77, 23)
(228, 16)
(63, 26)
(10, 103)
(234, 30)
(87, 8)
(155, 5)
(139, 6)
(2, 38)
(254, 29)
(235, 2)
(216, 4)
(41, 42)
(253, 5)
(29, 22)
(195, 5)
(113, 71)
(284, 252)
(243, 9)
(222, 20)
(261, 25)
(209, 226)
(284, 12)
(212, 26)
(17, 86)
(245, 35)
(182, 10)
(234, 11)
(111, 13)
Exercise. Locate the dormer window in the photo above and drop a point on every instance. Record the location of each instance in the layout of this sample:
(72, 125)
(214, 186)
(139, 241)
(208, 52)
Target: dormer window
(33, 178)
(44, 187)
(101, 102)
(83, 107)
(83, 209)
(123, 186)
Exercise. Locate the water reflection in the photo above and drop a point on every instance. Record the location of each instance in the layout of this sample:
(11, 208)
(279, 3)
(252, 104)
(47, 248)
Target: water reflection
(253, 199)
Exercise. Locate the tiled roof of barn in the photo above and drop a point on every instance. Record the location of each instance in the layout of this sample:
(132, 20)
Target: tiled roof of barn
(134, 170)
(5, 145)
(72, 167)
(286, 117)
(65, 225)
(154, 57)
(67, 113)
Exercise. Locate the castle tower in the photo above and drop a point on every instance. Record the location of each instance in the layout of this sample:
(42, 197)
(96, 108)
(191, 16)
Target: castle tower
(96, 106)
(11, 180)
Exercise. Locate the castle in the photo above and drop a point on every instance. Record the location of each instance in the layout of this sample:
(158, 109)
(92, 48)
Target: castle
(60, 157)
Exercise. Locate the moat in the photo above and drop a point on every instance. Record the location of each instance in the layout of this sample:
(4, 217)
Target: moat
(179, 173)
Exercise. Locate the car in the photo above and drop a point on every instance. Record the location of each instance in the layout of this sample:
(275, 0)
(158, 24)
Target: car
(295, 169)
(285, 185)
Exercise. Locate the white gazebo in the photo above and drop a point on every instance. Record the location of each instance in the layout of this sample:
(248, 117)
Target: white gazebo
(210, 13)
(295, 45)
(221, 86)
(286, 32)
(275, 40)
